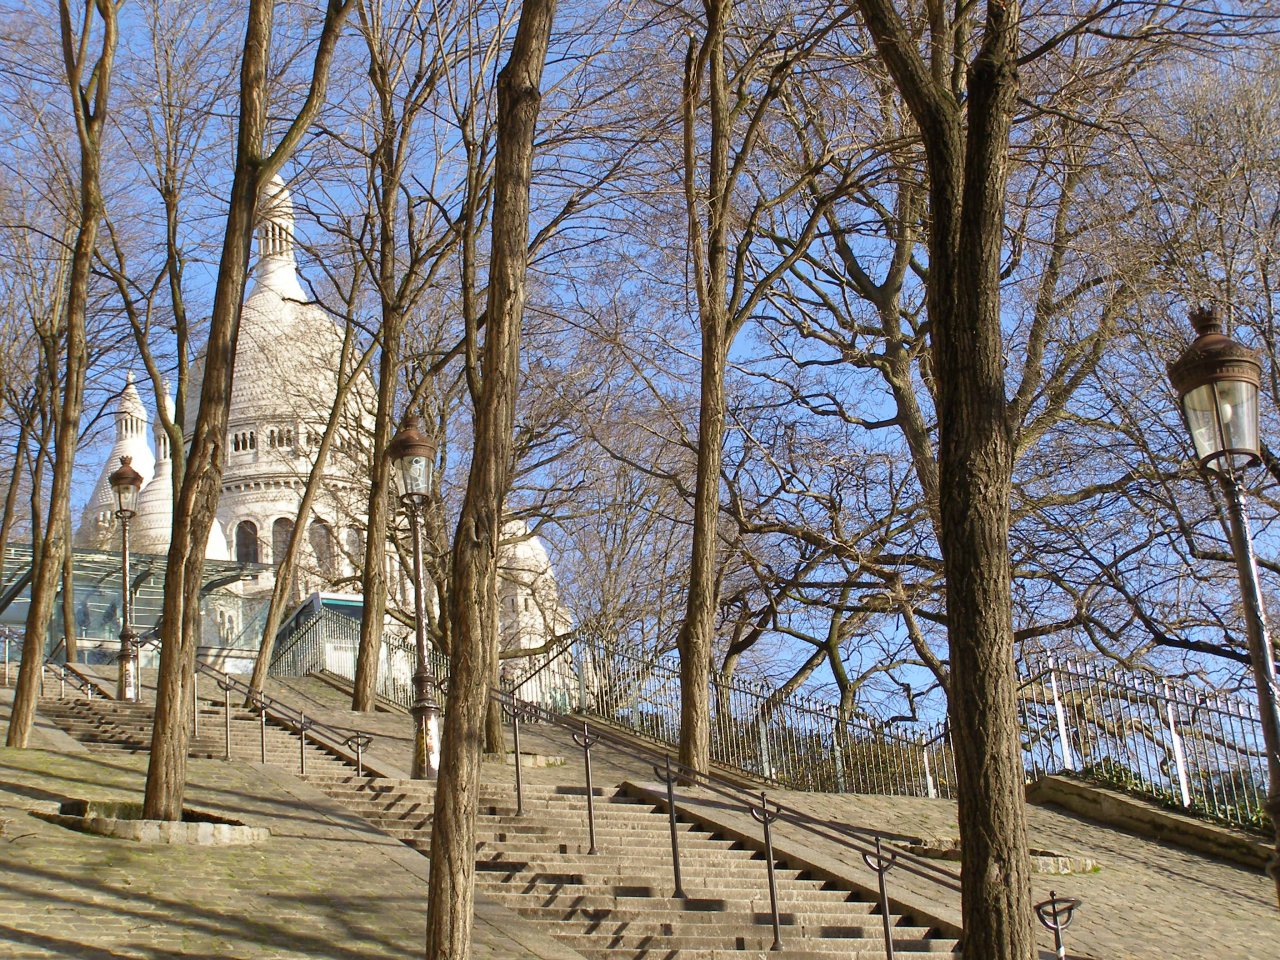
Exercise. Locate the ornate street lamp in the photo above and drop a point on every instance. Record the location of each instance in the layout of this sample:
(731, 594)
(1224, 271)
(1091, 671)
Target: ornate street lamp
(125, 483)
(1217, 382)
(412, 457)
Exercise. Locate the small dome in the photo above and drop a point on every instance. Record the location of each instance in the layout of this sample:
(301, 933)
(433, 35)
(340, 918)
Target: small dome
(97, 529)
(130, 403)
(522, 556)
(530, 607)
(153, 526)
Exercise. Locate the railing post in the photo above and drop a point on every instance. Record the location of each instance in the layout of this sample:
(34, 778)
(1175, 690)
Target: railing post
(1056, 914)
(515, 736)
(766, 760)
(586, 741)
(62, 684)
(837, 750)
(6, 658)
(226, 720)
(262, 730)
(931, 788)
(582, 683)
(882, 865)
(195, 704)
(302, 744)
(668, 778)
(763, 815)
(1179, 756)
(1068, 755)
(359, 741)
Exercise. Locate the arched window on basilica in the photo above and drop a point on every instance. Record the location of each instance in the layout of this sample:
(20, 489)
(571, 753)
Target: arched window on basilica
(322, 545)
(247, 542)
(281, 534)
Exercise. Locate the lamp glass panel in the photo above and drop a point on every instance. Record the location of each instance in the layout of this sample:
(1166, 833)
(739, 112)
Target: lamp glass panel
(1238, 403)
(1200, 408)
(127, 498)
(415, 475)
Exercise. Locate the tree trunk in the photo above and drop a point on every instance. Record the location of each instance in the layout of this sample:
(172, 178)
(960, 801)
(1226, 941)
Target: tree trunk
(197, 501)
(494, 735)
(69, 597)
(89, 100)
(15, 479)
(697, 632)
(966, 144)
(315, 477)
(374, 579)
(472, 599)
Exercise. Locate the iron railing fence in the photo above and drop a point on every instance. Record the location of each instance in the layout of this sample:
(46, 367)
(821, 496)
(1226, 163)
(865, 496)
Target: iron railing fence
(794, 740)
(1161, 738)
(330, 641)
(1164, 739)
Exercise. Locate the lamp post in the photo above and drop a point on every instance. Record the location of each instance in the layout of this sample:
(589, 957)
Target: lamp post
(412, 456)
(125, 483)
(1217, 382)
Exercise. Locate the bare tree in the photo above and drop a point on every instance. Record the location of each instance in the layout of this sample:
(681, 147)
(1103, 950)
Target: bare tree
(494, 386)
(197, 499)
(88, 77)
(349, 375)
(406, 62)
(726, 295)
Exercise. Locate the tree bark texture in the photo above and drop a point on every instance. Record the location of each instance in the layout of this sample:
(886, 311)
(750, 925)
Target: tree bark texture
(197, 502)
(89, 95)
(710, 267)
(15, 481)
(374, 576)
(967, 154)
(473, 611)
(69, 597)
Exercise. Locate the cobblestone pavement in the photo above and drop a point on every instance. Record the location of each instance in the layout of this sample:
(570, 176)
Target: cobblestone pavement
(326, 885)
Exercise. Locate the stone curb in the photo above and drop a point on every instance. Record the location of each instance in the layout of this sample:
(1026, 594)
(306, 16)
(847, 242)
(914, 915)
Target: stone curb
(1145, 819)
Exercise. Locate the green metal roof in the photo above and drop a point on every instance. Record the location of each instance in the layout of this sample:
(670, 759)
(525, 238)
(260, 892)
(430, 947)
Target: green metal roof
(97, 593)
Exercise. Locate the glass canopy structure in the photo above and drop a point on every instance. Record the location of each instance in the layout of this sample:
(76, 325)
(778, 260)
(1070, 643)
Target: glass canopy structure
(233, 601)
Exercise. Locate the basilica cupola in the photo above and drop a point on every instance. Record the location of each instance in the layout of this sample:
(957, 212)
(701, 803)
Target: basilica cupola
(277, 268)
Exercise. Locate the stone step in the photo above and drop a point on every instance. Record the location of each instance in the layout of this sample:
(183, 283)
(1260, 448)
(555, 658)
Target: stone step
(622, 880)
(656, 945)
(706, 910)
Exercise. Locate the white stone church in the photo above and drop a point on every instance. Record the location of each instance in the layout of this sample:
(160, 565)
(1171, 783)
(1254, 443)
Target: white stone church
(282, 397)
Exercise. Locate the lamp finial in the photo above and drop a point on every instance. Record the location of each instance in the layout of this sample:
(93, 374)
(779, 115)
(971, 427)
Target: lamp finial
(1206, 321)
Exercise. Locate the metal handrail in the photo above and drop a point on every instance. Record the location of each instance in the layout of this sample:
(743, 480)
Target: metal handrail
(867, 844)
(80, 683)
(1164, 739)
(280, 711)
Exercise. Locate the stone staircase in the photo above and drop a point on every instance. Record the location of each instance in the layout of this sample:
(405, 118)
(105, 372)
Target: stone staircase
(618, 903)
(105, 725)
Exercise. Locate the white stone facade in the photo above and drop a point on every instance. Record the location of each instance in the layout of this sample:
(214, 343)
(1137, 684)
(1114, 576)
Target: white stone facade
(284, 384)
